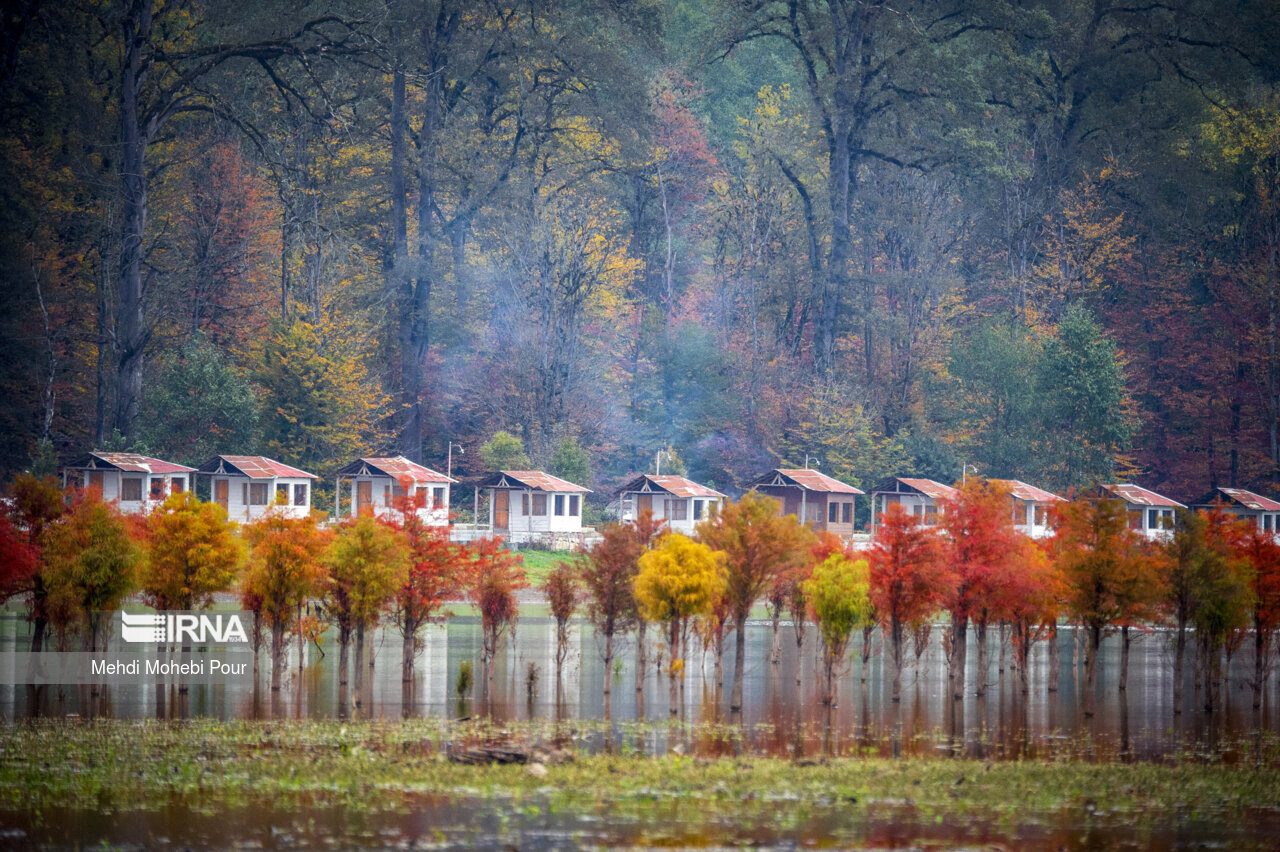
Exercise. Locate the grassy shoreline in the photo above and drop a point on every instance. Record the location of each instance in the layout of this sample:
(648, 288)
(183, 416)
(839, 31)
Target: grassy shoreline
(371, 766)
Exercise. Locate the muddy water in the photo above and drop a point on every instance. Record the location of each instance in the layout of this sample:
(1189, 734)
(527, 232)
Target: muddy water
(782, 711)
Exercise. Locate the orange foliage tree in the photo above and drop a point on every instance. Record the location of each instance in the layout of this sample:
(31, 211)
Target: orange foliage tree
(910, 579)
(1104, 571)
(193, 552)
(284, 570)
(758, 544)
(1031, 605)
(983, 549)
(36, 503)
(562, 591)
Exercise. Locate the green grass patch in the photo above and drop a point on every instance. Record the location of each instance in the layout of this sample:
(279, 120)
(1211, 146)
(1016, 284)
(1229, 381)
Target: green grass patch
(539, 563)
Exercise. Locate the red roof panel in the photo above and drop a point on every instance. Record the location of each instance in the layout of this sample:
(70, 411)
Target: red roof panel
(261, 467)
(1250, 500)
(135, 463)
(813, 480)
(1139, 496)
(399, 467)
(539, 481)
(1022, 491)
(677, 486)
(929, 488)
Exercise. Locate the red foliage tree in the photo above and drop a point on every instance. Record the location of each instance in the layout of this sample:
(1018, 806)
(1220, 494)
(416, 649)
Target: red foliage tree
(1260, 549)
(37, 502)
(1031, 605)
(982, 550)
(495, 575)
(910, 579)
(17, 561)
(607, 577)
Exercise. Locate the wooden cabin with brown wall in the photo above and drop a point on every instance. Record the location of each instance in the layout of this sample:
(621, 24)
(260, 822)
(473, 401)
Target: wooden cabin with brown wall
(818, 500)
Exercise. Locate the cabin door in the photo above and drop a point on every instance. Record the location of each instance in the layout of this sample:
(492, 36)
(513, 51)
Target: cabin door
(501, 509)
(222, 488)
(364, 496)
(643, 501)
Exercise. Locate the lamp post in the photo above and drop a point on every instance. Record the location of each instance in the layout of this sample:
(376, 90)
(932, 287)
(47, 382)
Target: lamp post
(461, 452)
(964, 473)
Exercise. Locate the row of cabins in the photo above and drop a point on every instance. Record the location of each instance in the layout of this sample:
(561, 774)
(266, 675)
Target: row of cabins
(527, 504)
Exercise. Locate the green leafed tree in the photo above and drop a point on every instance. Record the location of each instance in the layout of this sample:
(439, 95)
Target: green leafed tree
(197, 406)
(1086, 426)
(571, 462)
(504, 451)
(839, 594)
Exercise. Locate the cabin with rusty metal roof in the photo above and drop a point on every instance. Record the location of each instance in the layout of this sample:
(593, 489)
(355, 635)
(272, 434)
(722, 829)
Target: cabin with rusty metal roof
(917, 496)
(820, 501)
(136, 483)
(1150, 514)
(375, 485)
(247, 487)
(1263, 511)
(1031, 506)
(530, 505)
(681, 503)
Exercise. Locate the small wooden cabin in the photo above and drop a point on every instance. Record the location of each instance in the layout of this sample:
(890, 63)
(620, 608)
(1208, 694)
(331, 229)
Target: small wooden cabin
(135, 482)
(1150, 514)
(248, 486)
(1263, 511)
(1031, 506)
(377, 482)
(529, 504)
(681, 502)
(919, 497)
(814, 498)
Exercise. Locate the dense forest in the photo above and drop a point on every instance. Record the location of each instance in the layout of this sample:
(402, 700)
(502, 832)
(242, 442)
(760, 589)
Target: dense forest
(1040, 238)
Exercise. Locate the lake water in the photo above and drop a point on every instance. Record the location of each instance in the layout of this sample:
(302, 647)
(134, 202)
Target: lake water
(779, 716)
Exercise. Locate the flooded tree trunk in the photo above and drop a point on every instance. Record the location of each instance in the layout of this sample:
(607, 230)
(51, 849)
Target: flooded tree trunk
(775, 654)
(895, 642)
(1125, 638)
(718, 666)
(641, 661)
(798, 623)
(344, 644)
(407, 653)
(359, 660)
(1091, 670)
(828, 676)
(1179, 660)
(277, 656)
(1004, 640)
(673, 708)
(739, 659)
(1054, 657)
(608, 663)
(1261, 650)
(980, 631)
(956, 660)
(1212, 666)
(866, 650)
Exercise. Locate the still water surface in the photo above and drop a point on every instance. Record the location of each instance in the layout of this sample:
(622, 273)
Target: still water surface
(782, 712)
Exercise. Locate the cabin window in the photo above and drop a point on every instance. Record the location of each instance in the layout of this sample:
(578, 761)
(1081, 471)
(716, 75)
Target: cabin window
(300, 494)
(1266, 523)
(282, 494)
(697, 510)
(540, 504)
(1039, 516)
(97, 481)
(559, 505)
(1135, 520)
(833, 510)
(157, 488)
(846, 513)
(524, 503)
(396, 490)
(437, 498)
(930, 516)
(177, 485)
(573, 505)
(131, 488)
(677, 510)
(257, 493)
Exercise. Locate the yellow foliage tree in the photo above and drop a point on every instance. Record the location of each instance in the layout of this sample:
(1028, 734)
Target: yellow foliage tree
(680, 579)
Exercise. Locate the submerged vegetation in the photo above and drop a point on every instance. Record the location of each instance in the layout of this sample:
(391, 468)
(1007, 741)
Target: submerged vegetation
(210, 767)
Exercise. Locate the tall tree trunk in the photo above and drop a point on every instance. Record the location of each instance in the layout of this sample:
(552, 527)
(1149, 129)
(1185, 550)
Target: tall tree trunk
(1261, 650)
(277, 656)
(608, 663)
(641, 649)
(1091, 671)
(344, 644)
(1055, 657)
(130, 332)
(407, 653)
(896, 641)
(980, 632)
(673, 707)
(775, 652)
(958, 657)
(359, 663)
(1125, 638)
(866, 649)
(739, 657)
(1179, 657)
